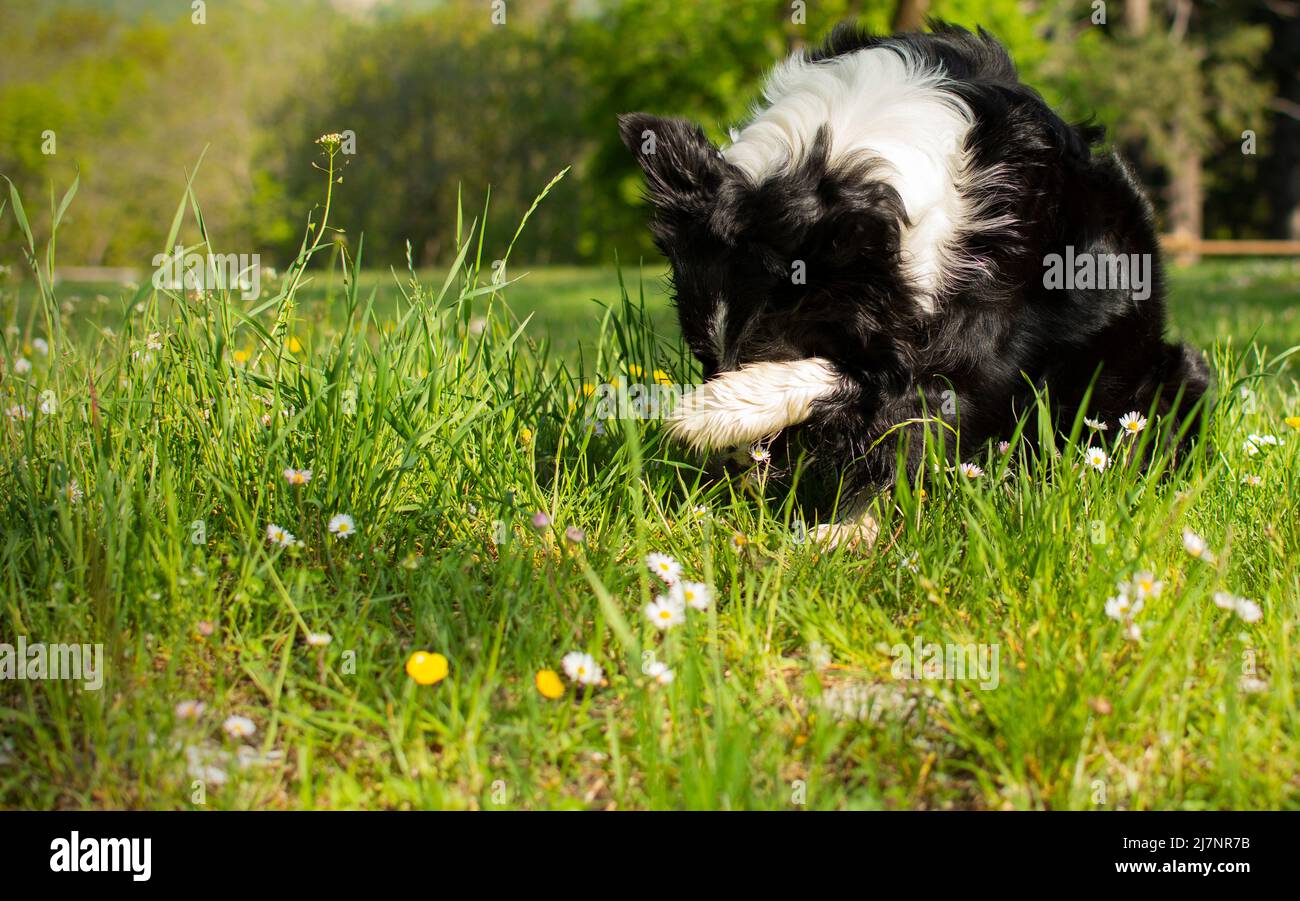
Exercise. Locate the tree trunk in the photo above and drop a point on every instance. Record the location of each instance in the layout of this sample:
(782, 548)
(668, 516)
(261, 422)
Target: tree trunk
(909, 15)
(1137, 16)
(1186, 194)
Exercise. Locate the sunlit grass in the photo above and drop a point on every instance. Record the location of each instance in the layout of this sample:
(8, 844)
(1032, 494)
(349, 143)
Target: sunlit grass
(442, 423)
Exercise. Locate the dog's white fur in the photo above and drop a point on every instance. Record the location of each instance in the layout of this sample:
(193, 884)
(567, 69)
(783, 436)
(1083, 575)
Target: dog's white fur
(885, 104)
(750, 404)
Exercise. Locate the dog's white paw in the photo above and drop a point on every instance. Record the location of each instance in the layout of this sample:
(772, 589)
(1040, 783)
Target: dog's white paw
(854, 533)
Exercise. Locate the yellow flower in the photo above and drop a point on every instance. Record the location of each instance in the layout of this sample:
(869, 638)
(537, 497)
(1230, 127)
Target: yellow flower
(242, 355)
(549, 684)
(1293, 421)
(663, 378)
(426, 668)
(525, 437)
(588, 389)
(635, 371)
(293, 345)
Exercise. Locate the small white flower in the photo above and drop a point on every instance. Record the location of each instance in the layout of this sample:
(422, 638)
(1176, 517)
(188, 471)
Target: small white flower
(970, 470)
(1252, 480)
(72, 492)
(319, 639)
(1132, 423)
(153, 342)
(342, 525)
(1195, 546)
(760, 454)
(1118, 607)
(700, 511)
(239, 726)
(190, 710)
(910, 562)
(582, 668)
(695, 595)
(1096, 458)
(277, 535)
(1097, 425)
(42, 346)
(1224, 601)
(1004, 446)
(1248, 610)
(297, 476)
(22, 366)
(1255, 443)
(1133, 632)
(665, 612)
(663, 566)
(1145, 585)
(660, 672)
(1252, 685)
(18, 412)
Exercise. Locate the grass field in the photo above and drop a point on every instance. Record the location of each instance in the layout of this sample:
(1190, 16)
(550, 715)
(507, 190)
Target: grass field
(144, 465)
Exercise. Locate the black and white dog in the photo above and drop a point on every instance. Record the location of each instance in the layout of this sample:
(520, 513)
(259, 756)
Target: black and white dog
(903, 227)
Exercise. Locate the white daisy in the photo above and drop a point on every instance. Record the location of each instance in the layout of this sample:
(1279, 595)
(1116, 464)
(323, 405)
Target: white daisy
(1145, 585)
(1132, 423)
(664, 567)
(239, 726)
(665, 612)
(72, 492)
(1224, 601)
(695, 595)
(970, 470)
(277, 535)
(1004, 446)
(660, 672)
(1096, 458)
(1252, 480)
(760, 454)
(1097, 425)
(910, 562)
(1120, 607)
(22, 366)
(1255, 443)
(342, 525)
(1248, 610)
(582, 668)
(190, 710)
(1195, 546)
(297, 476)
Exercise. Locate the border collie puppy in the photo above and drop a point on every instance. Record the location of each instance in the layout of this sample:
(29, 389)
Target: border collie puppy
(904, 230)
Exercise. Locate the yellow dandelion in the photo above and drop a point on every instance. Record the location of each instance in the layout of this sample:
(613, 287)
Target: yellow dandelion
(1293, 421)
(588, 389)
(549, 684)
(293, 345)
(525, 437)
(426, 668)
(242, 355)
(663, 378)
(635, 371)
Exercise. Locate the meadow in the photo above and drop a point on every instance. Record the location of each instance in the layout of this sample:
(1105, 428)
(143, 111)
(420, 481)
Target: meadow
(339, 544)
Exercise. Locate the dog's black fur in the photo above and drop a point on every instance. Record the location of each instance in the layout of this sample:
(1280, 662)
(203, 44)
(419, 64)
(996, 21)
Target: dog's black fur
(993, 339)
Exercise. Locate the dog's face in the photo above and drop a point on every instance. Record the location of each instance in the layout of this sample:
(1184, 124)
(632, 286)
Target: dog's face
(767, 272)
(795, 277)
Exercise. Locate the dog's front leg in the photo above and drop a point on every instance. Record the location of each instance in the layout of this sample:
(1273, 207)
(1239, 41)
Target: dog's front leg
(855, 527)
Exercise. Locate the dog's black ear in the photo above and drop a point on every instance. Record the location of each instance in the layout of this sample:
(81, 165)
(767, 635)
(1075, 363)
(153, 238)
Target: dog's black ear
(682, 167)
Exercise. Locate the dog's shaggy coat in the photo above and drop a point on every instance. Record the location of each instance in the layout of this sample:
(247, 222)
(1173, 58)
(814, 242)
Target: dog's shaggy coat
(871, 248)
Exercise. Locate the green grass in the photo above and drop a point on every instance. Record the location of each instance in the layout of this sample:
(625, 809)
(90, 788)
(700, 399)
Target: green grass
(441, 425)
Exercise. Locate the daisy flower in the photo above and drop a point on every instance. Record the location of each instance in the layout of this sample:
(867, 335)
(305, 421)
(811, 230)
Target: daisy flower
(541, 520)
(1004, 446)
(42, 346)
(1097, 425)
(660, 672)
(1195, 546)
(695, 595)
(1145, 585)
(1132, 423)
(72, 492)
(1096, 458)
(297, 476)
(190, 710)
(575, 535)
(1133, 632)
(22, 366)
(910, 562)
(738, 542)
(970, 470)
(665, 612)
(582, 668)
(342, 525)
(663, 566)
(1121, 607)
(1248, 610)
(277, 535)
(760, 454)
(1255, 443)
(239, 726)
(1252, 480)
